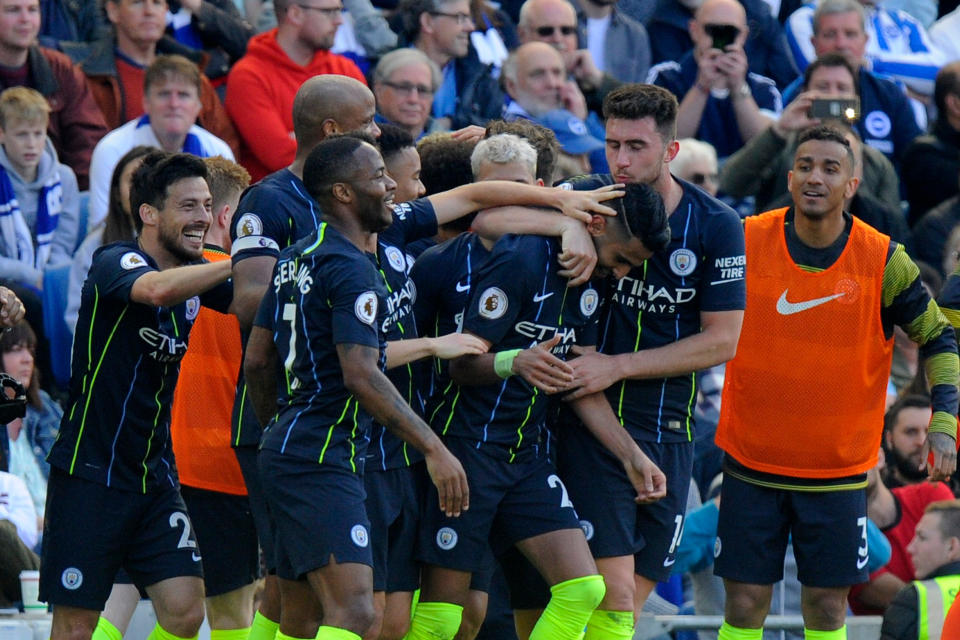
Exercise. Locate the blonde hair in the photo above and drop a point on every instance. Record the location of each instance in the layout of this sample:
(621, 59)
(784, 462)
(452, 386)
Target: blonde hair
(225, 178)
(23, 103)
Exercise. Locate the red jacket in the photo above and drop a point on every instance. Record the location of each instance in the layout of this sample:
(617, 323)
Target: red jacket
(260, 91)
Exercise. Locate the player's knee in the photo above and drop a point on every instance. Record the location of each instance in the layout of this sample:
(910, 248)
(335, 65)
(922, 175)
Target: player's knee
(470, 623)
(182, 617)
(746, 605)
(584, 593)
(824, 608)
(359, 615)
(73, 627)
(620, 593)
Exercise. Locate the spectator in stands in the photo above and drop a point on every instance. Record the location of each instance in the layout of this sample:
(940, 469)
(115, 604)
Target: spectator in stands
(904, 434)
(172, 86)
(468, 92)
(494, 34)
(215, 27)
(115, 66)
(543, 140)
(537, 89)
(71, 20)
(932, 162)
(18, 535)
(944, 32)
(919, 609)
(931, 233)
(39, 201)
(760, 167)
(117, 227)
(893, 43)
(713, 84)
(404, 83)
(76, 123)
(26, 441)
(618, 44)
(262, 85)
(696, 162)
(765, 47)
(887, 120)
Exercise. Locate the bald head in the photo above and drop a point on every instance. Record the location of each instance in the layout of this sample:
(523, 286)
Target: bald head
(722, 12)
(534, 75)
(550, 21)
(328, 104)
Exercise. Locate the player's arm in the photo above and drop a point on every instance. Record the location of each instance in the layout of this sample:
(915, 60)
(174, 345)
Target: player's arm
(378, 397)
(260, 370)
(715, 343)
(536, 365)
(173, 286)
(251, 277)
(452, 345)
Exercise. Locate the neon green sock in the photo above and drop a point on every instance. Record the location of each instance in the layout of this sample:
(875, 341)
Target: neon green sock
(435, 621)
(263, 628)
(106, 631)
(730, 632)
(610, 625)
(335, 633)
(282, 636)
(229, 634)
(571, 605)
(836, 634)
(159, 633)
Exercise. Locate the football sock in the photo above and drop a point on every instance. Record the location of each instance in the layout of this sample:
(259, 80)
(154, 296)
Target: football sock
(730, 632)
(229, 634)
(571, 604)
(335, 633)
(282, 636)
(836, 634)
(159, 633)
(106, 631)
(435, 621)
(610, 625)
(263, 628)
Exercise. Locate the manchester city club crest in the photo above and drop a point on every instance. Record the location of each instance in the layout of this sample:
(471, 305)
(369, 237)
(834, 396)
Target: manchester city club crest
(589, 300)
(447, 538)
(193, 307)
(396, 259)
(359, 535)
(683, 262)
(71, 578)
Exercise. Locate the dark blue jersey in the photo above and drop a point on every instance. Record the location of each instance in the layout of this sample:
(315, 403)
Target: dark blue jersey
(518, 300)
(660, 302)
(325, 292)
(444, 276)
(272, 215)
(411, 221)
(126, 358)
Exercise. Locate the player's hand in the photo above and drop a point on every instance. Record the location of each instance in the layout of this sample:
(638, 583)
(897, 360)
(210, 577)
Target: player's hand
(11, 309)
(593, 372)
(454, 345)
(449, 478)
(542, 369)
(581, 204)
(470, 133)
(578, 256)
(944, 449)
(646, 477)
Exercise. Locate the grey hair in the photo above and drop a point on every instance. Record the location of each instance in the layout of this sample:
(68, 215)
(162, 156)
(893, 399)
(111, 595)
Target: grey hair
(691, 150)
(504, 148)
(832, 7)
(400, 58)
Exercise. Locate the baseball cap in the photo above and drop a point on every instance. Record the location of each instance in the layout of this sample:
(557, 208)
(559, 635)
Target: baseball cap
(571, 131)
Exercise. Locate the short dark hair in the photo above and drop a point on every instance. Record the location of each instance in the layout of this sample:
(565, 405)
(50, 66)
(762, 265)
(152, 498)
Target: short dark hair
(949, 511)
(408, 14)
(154, 176)
(642, 213)
(947, 83)
(909, 401)
(393, 140)
(444, 165)
(639, 101)
(827, 133)
(828, 60)
(172, 66)
(543, 140)
(331, 161)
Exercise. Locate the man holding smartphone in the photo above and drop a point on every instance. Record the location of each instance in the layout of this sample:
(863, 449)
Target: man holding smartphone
(713, 84)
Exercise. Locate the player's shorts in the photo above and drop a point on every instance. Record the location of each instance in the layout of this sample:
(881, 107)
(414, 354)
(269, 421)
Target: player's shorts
(614, 524)
(829, 532)
(249, 467)
(393, 506)
(508, 503)
(92, 530)
(225, 532)
(528, 589)
(318, 512)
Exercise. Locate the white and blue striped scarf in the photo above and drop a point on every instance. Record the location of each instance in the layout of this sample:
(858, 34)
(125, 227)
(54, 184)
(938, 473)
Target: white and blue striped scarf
(14, 231)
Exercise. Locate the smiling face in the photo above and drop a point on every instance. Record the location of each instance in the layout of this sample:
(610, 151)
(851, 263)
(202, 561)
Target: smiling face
(374, 190)
(19, 24)
(821, 179)
(185, 218)
(404, 167)
(405, 97)
(449, 28)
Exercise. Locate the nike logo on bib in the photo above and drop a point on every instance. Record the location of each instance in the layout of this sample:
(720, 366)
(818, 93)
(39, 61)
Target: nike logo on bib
(785, 308)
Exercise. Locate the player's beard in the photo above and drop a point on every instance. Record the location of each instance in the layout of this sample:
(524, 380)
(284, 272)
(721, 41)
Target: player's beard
(171, 241)
(905, 466)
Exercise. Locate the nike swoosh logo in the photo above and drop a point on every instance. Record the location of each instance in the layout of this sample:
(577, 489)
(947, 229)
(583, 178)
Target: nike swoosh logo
(785, 308)
(196, 557)
(540, 298)
(669, 562)
(462, 287)
(861, 562)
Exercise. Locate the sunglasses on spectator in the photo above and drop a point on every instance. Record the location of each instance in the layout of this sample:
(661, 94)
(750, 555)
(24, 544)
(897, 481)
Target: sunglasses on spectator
(407, 88)
(700, 179)
(546, 32)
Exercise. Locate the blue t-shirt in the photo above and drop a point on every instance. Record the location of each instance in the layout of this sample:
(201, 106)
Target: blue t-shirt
(325, 292)
(126, 359)
(518, 301)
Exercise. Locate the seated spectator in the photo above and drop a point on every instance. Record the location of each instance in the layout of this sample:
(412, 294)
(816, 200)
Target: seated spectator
(618, 44)
(887, 121)
(760, 168)
(919, 609)
(932, 162)
(215, 27)
(696, 162)
(171, 91)
(76, 124)
(39, 201)
(404, 83)
(262, 85)
(931, 233)
(26, 441)
(468, 92)
(116, 64)
(714, 86)
(536, 87)
(71, 21)
(896, 44)
(765, 47)
(904, 434)
(944, 34)
(117, 227)
(19, 534)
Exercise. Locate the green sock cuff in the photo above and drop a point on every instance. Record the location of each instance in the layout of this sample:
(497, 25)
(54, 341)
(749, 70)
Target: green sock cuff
(106, 630)
(435, 621)
(610, 625)
(584, 580)
(730, 632)
(263, 628)
(335, 633)
(229, 634)
(836, 634)
(159, 633)
(282, 636)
